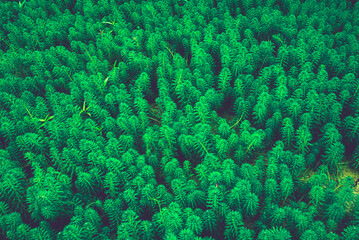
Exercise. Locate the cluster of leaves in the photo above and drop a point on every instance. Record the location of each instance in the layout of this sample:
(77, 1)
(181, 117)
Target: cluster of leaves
(179, 119)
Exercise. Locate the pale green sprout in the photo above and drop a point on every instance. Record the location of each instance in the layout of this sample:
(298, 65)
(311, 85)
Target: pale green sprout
(21, 4)
(84, 109)
(46, 119)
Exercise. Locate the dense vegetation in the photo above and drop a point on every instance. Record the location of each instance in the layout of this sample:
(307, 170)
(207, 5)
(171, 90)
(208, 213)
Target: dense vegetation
(179, 119)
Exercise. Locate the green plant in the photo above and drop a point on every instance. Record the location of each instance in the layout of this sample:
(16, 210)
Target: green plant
(178, 119)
